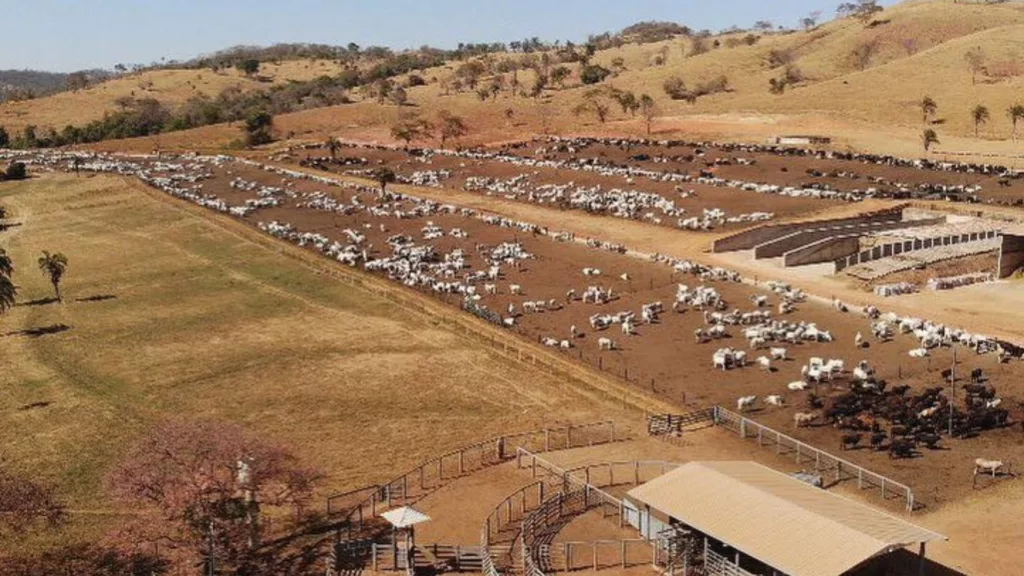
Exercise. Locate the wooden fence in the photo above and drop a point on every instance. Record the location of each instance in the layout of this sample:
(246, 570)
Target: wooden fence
(804, 453)
(426, 478)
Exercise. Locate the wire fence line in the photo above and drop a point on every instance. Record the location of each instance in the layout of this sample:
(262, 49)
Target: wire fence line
(803, 453)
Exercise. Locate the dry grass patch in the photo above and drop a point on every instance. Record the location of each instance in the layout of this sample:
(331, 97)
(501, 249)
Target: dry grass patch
(192, 317)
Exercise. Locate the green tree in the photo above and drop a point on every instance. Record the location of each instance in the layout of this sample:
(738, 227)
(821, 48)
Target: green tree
(453, 127)
(928, 108)
(980, 115)
(627, 101)
(383, 176)
(16, 171)
(929, 138)
(593, 103)
(649, 110)
(593, 74)
(675, 88)
(248, 67)
(559, 74)
(257, 127)
(1016, 114)
(54, 266)
(5, 138)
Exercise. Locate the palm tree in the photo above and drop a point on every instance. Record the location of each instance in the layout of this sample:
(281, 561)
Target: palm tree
(980, 115)
(1016, 113)
(6, 264)
(54, 266)
(928, 108)
(333, 146)
(7, 294)
(929, 137)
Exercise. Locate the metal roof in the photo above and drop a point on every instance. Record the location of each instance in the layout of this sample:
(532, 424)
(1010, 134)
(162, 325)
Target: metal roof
(789, 525)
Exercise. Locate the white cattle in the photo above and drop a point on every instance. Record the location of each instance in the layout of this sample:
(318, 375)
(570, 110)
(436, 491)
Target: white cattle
(765, 363)
(605, 344)
(778, 353)
(801, 419)
(797, 386)
(919, 353)
(775, 400)
(515, 289)
(745, 402)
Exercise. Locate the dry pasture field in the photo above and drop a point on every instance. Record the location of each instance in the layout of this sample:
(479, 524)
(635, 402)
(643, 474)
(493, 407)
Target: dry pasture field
(171, 311)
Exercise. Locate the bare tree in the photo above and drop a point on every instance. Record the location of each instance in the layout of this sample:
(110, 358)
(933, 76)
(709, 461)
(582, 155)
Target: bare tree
(863, 53)
(409, 127)
(811, 20)
(452, 127)
(649, 110)
(975, 59)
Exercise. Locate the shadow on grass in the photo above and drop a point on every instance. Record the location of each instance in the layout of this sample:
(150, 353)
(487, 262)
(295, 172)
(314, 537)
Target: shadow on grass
(97, 298)
(38, 302)
(34, 405)
(41, 331)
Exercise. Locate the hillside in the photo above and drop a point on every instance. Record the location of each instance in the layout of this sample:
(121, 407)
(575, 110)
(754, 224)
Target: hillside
(171, 87)
(908, 51)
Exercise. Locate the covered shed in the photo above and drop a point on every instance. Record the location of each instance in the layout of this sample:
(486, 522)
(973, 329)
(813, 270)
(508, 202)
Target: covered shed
(755, 520)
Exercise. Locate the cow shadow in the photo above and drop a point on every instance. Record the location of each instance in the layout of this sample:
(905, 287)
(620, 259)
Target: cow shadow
(35, 405)
(97, 298)
(41, 331)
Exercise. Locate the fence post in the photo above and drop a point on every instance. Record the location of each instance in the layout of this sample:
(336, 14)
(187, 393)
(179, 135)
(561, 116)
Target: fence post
(623, 553)
(860, 479)
(568, 436)
(839, 471)
(373, 552)
(595, 556)
(743, 427)
(462, 468)
(798, 453)
(636, 472)
(611, 432)
(547, 439)
(778, 443)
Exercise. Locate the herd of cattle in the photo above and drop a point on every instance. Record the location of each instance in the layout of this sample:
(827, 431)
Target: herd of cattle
(869, 410)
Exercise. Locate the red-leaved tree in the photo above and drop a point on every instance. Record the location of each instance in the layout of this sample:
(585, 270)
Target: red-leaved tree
(205, 490)
(26, 505)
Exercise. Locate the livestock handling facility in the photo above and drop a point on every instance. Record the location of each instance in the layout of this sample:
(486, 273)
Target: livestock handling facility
(740, 518)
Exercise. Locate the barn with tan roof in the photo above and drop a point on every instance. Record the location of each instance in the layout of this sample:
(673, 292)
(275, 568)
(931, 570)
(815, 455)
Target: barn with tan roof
(745, 518)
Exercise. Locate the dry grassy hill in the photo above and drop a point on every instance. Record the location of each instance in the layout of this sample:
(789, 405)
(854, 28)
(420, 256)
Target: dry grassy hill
(917, 49)
(171, 87)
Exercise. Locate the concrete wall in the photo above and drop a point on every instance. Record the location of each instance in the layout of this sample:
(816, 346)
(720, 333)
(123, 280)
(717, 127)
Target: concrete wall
(897, 248)
(824, 250)
(778, 247)
(750, 238)
(1011, 256)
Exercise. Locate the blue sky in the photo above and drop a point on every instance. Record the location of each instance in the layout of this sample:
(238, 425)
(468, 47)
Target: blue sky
(66, 35)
